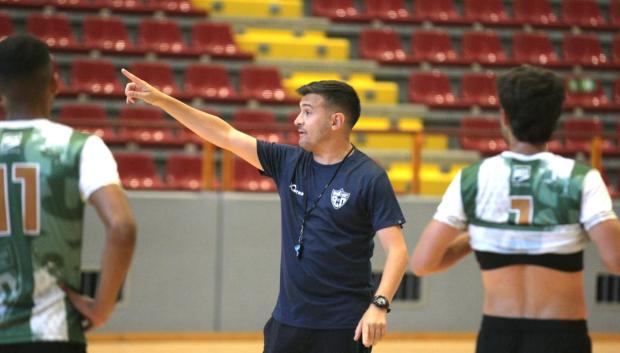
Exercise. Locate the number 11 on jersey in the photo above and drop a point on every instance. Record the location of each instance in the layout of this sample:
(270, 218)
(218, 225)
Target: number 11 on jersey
(27, 175)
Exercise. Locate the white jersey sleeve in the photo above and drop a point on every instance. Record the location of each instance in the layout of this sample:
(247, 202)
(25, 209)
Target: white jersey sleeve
(596, 205)
(97, 167)
(451, 211)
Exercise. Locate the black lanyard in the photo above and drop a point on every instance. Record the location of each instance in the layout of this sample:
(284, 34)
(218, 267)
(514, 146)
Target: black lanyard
(299, 247)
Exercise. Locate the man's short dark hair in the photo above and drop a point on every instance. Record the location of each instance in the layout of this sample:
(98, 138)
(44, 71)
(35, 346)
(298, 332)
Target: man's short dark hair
(532, 98)
(337, 94)
(25, 64)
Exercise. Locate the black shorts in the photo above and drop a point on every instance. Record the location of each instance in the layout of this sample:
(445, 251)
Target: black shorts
(281, 338)
(508, 335)
(47, 347)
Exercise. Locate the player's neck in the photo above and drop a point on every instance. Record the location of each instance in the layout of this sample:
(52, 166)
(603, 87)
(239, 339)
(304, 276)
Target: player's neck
(14, 112)
(332, 153)
(526, 148)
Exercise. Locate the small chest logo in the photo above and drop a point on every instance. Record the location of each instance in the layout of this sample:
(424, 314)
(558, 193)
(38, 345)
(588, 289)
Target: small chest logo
(521, 174)
(339, 198)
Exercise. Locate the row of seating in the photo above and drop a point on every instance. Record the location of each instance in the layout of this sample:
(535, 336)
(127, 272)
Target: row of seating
(149, 127)
(483, 134)
(139, 171)
(580, 13)
(100, 77)
(171, 7)
(109, 35)
(485, 47)
(434, 89)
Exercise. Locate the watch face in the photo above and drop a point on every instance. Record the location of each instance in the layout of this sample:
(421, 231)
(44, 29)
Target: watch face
(381, 301)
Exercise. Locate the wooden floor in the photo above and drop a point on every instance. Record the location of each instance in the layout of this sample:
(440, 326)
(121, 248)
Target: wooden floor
(252, 343)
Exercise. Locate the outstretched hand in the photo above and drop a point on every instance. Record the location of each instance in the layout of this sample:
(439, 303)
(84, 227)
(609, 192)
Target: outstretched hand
(140, 89)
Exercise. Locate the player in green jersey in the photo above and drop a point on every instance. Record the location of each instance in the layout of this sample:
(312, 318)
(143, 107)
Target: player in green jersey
(47, 173)
(528, 214)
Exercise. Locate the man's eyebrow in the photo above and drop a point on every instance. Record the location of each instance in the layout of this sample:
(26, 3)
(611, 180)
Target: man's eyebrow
(305, 105)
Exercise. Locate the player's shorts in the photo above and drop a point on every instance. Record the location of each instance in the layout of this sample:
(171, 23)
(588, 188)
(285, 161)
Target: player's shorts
(40, 347)
(281, 338)
(508, 335)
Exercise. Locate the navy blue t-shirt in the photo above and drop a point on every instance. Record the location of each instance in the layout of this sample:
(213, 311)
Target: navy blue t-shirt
(330, 286)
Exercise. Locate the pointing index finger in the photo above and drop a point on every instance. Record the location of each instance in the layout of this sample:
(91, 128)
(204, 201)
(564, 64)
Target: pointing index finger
(131, 76)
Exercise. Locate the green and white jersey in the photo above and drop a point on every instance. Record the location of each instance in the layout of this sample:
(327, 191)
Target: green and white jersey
(520, 204)
(47, 170)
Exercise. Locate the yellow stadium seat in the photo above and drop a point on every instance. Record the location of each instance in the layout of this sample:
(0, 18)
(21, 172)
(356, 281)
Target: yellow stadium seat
(433, 179)
(431, 141)
(369, 90)
(252, 8)
(286, 44)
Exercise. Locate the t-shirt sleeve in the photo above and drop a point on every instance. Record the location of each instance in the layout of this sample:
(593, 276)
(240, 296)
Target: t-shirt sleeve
(596, 205)
(384, 208)
(450, 211)
(97, 167)
(272, 156)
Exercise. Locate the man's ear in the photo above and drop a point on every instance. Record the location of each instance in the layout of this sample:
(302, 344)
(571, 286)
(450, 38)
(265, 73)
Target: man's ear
(338, 121)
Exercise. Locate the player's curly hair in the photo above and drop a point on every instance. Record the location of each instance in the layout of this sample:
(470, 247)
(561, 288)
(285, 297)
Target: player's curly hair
(532, 99)
(25, 65)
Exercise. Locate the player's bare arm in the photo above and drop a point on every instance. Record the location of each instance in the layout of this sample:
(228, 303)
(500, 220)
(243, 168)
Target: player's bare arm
(606, 236)
(207, 126)
(373, 325)
(439, 247)
(113, 209)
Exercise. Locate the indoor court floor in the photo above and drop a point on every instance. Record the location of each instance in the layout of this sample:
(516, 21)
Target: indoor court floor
(216, 343)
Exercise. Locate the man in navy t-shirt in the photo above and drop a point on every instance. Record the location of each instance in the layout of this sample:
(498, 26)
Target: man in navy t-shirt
(334, 199)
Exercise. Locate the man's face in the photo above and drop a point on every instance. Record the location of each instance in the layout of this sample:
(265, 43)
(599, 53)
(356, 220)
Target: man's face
(314, 121)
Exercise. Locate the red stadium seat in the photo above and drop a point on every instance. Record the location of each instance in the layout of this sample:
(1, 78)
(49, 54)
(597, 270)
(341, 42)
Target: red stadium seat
(437, 11)
(533, 48)
(247, 178)
(6, 26)
(389, 10)
(257, 123)
(128, 6)
(177, 7)
(23, 3)
(54, 30)
(382, 45)
(108, 34)
(184, 172)
(482, 134)
(73, 5)
(138, 171)
(615, 50)
(537, 12)
(159, 74)
(432, 45)
(339, 10)
(485, 11)
(263, 84)
(483, 47)
(432, 89)
(614, 13)
(617, 91)
(585, 92)
(162, 37)
(211, 82)
(146, 125)
(479, 89)
(89, 118)
(582, 13)
(579, 133)
(96, 77)
(216, 40)
(583, 49)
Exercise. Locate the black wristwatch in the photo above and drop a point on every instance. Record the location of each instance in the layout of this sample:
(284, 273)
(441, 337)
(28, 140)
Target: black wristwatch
(381, 302)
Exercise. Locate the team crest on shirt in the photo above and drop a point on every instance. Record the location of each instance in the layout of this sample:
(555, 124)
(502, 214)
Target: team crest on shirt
(521, 174)
(339, 198)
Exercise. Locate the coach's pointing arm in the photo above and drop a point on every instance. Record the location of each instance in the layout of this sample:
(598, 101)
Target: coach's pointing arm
(207, 126)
